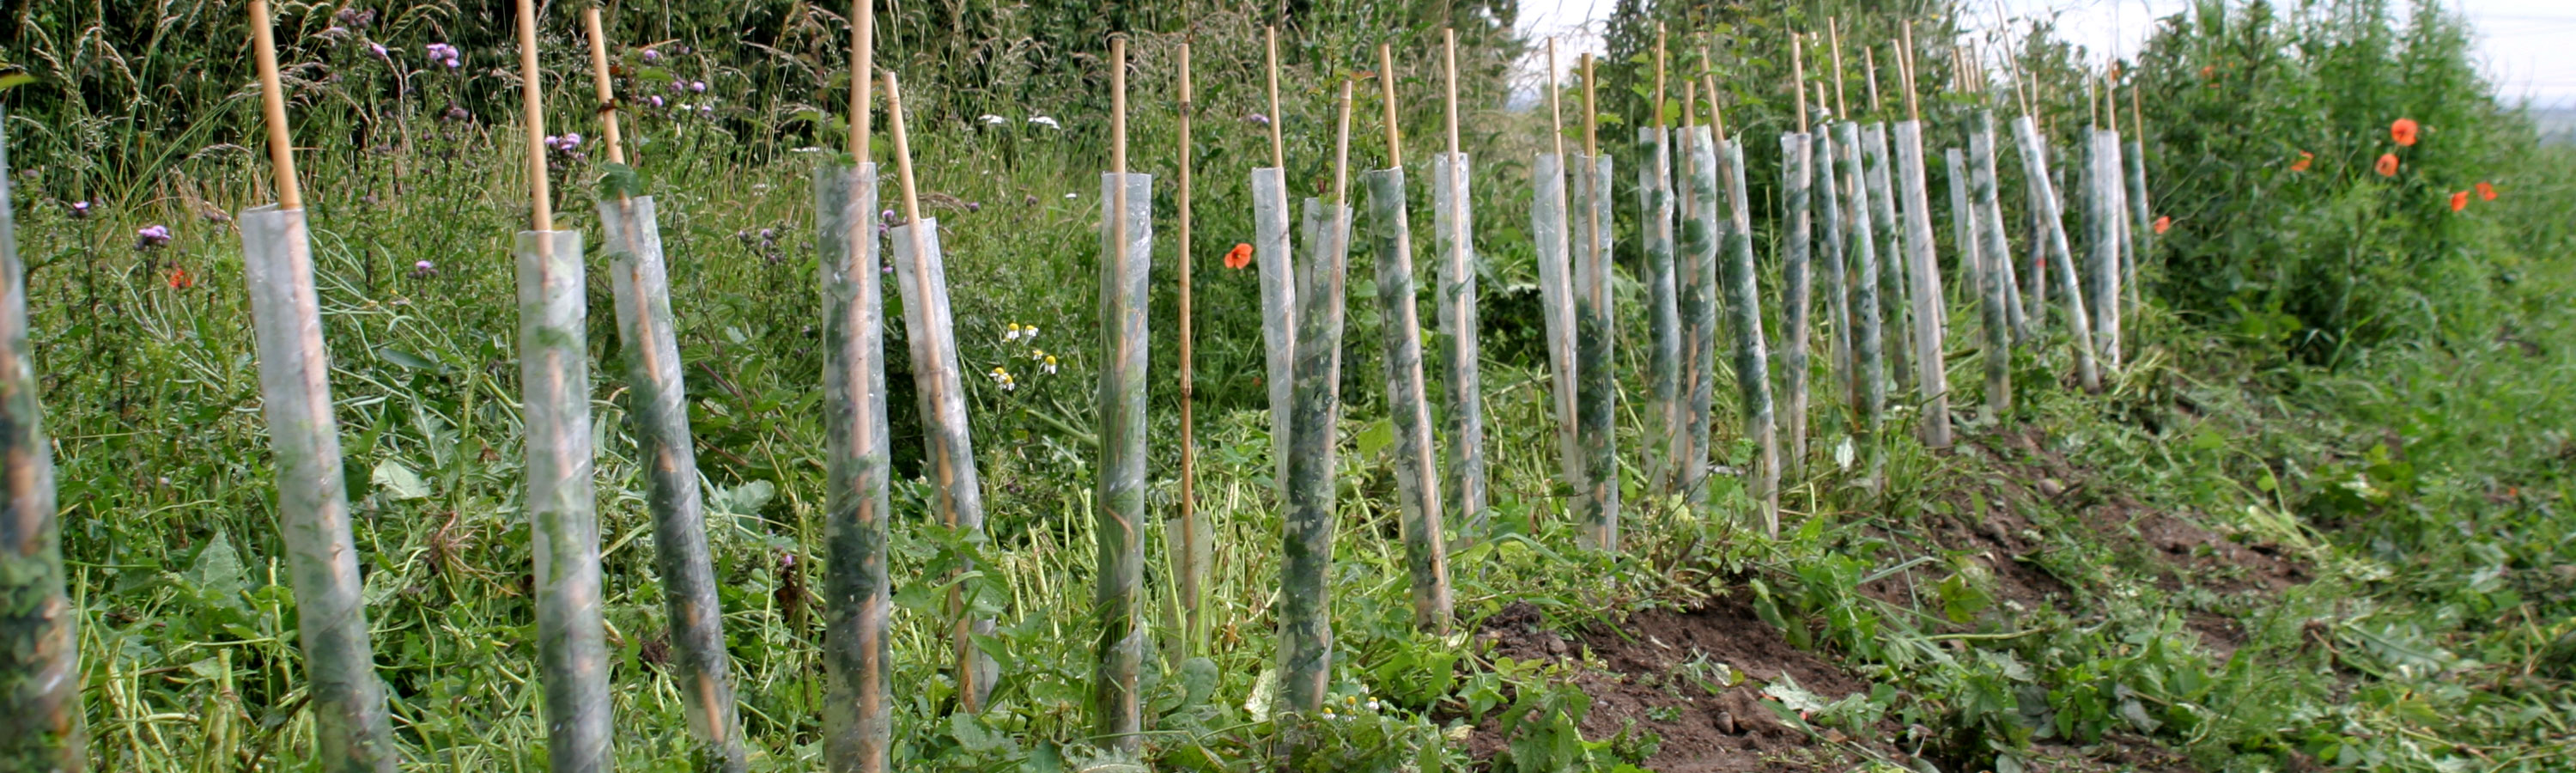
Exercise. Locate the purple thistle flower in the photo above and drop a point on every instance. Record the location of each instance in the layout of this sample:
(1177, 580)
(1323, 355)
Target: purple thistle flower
(80, 209)
(974, 206)
(655, 100)
(151, 236)
(698, 86)
(887, 216)
(651, 56)
(1258, 119)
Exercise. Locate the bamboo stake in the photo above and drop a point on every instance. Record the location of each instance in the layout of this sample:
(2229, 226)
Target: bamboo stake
(1278, 149)
(532, 93)
(1120, 491)
(1833, 29)
(1598, 391)
(1869, 69)
(272, 99)
(863, 51)
(1655, 206)
(640, 286)
(40, 669)
(1193, 572)
(858, 722)
(937, 380)
(555, 373)
(1305, 613)
(590, 23)
(1796, 274)
(1457, 313)
(1549, 228)
(1798, 78)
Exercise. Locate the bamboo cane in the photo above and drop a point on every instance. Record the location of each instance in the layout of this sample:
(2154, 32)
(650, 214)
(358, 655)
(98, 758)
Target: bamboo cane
(1271, 250)
(1126, 257)
(555, 373)
(2034, 157)
(1305, 610)
(949, 452)
(1752, 361)
(1454, 218)
(858, 719)
(352, 730)
(1655, 205)
(1700, 233)
(39, 649)
(1869, 369)
(641, 288)
(1598, 388)
(1550, 230)
(1931, 375)
(1191, 563)
(1416, 463)
(1796, 292)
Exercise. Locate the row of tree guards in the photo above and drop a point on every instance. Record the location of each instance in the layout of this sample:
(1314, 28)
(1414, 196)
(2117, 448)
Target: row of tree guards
(1856, 228)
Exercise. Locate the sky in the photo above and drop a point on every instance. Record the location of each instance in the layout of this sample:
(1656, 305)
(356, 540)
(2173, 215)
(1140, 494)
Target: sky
(2524, 45)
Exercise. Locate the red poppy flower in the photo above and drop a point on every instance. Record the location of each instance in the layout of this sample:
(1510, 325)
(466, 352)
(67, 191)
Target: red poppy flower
(1239, 257)
(2305, 158)
(2459, 200)
(2164, 224)
(2387, 165)
(179, 278)
(2486, 191)
(2403, 131)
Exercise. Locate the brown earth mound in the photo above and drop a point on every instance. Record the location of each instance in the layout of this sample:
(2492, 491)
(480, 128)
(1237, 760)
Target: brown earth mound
(1647, 679)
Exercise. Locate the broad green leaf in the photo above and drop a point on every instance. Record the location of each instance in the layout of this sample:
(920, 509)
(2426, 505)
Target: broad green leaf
(398, 482)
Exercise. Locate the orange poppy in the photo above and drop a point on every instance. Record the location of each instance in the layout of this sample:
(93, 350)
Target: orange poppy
(2305, 158)
(179, 278)
(2459, 200)
(1239, 257)
(2403, 131)
(2387, 165)
(2486, 191)
(2164, 224)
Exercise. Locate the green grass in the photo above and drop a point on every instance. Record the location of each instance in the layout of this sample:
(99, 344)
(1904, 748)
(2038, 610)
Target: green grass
(2425, 478)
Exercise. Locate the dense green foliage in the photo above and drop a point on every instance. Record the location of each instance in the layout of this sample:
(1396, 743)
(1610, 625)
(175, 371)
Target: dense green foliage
(2332, 254)
(2333, 365)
